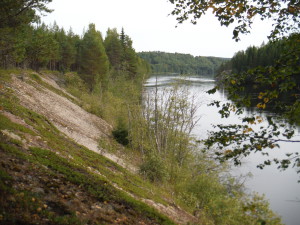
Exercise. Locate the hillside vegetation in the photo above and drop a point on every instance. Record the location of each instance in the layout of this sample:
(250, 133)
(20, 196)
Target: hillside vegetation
(61, 165)
(48, 173)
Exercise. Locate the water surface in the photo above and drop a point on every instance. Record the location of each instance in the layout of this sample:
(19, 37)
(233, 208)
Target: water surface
(280, 188)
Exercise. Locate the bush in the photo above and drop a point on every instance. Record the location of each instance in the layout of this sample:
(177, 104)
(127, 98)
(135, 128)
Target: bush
(154, 169)
(121, 132)
(121, 136)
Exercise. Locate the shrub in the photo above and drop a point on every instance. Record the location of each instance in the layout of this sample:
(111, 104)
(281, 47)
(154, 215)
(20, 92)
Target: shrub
(121, 132)
(154, 169)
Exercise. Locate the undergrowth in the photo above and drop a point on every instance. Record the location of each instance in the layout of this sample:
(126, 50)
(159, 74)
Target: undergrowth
(73, 161)
(194, 188)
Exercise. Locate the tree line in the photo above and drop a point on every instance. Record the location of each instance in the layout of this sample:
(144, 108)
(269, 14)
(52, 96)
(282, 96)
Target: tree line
(27, 43)
(162, 62)
(253, 56)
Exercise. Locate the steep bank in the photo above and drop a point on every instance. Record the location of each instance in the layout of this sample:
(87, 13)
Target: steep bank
(52, 170)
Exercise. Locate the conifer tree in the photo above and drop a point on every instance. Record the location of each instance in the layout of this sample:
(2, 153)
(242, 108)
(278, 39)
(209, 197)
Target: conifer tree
(67, 50)
(94, 64)
(15, 18)
(42, 48)
(129, 57)
(113, 48)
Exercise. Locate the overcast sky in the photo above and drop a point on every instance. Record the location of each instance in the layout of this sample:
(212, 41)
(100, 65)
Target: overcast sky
(151, 28)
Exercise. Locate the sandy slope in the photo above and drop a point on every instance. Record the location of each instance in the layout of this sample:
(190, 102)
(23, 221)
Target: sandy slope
(84, 128)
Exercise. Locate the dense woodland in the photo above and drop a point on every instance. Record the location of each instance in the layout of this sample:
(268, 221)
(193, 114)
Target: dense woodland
(162, 62)
(253, 56)
(50, 47)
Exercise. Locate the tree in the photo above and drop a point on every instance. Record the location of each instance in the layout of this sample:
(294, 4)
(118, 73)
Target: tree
(41, 48)
(14, 13)
(284, 13)
(113, 48)
(15, 18)
(67, 50)
(273, 82)
(129, 62)
(162, 128)
(94, 64)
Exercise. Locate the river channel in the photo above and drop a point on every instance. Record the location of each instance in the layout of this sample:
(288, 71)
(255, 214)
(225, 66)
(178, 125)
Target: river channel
(279, 187)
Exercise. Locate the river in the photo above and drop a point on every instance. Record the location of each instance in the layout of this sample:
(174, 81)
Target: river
(279, 187)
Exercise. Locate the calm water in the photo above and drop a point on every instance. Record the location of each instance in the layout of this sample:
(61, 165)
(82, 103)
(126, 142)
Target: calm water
(280, 188)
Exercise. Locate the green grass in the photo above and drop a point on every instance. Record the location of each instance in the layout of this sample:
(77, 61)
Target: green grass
(73, 160)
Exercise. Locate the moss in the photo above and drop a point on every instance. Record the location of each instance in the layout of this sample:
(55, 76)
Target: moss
(35, 76)
(6, 124)
(4, 179)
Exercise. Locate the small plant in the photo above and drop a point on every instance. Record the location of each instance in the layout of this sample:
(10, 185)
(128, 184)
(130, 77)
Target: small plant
(35, 77)
(121, 133)
(154, 169)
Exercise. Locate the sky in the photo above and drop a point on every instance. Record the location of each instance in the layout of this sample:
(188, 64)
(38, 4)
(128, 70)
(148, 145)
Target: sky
(151, 27)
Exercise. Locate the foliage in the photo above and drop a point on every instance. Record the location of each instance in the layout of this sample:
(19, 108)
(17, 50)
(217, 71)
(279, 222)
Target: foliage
(278, 88)
(41, 48)
(113, 48)
(162, 62)
(265, 55)
(163, 125)
(14, 13)
(94, 63)
(66, 161)
(121, 132)
(275, 80)
(15, 18)
(154, 168)
(285, 14)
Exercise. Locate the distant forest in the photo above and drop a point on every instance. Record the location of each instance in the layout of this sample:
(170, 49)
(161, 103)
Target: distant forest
(162, 62)
(265, 55)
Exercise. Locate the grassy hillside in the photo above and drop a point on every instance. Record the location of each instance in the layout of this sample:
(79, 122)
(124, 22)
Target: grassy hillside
(59, 163)
(48, 178)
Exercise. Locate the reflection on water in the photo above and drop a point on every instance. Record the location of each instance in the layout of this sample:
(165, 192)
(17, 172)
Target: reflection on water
(281, 188)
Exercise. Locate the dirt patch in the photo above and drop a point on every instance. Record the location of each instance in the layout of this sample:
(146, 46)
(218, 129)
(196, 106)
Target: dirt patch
(177, 214)
(83, 127)
(15, 119)
(51, 81)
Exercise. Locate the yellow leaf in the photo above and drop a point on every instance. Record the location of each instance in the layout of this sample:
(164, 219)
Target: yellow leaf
(227, 152)
(261, 95)
(261, 106)
(247, 130)
(233, 81)
(252, 122)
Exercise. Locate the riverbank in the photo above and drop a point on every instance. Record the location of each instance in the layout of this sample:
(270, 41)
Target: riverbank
(53, 171)
(279, 187)
(55, 156)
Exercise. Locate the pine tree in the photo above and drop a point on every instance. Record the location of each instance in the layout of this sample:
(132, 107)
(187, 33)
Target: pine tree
(129, 57)
(94, 64)
(113, 48)
(42, 48)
